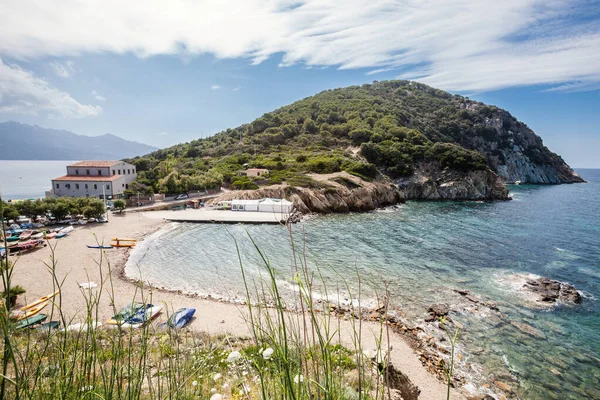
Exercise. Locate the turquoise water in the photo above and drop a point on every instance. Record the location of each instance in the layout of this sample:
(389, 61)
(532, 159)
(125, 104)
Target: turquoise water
(423, 251)
(29, 179)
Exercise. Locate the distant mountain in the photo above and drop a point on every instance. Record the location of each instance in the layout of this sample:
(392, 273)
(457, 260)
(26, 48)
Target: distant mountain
(26, 142)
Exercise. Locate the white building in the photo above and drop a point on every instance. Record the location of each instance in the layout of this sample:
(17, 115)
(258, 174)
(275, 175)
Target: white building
(282, 206)
(95, 179)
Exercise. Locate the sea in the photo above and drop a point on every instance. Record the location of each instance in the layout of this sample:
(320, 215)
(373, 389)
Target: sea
(418, 253)
(29, 179)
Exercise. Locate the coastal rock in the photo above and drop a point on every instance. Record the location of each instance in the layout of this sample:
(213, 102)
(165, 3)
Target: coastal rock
(353, 194)
(528, 329)
(436, 311)
(396, 379)
(432, 182)
(550, 291)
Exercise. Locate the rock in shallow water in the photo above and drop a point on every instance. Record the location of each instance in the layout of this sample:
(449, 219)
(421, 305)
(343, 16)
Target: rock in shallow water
(550, 291)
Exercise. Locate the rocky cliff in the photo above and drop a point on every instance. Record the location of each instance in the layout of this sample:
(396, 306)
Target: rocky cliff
(515, 152)
(336, 193)
(431, 182)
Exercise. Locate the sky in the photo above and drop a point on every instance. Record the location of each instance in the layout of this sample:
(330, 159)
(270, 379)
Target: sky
(163, 73)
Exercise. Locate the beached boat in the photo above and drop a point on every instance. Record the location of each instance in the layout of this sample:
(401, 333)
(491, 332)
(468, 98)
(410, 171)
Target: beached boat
(27, 322)
(60, 235)
(26, 234)
(142, 316)
(122, 244)
(38, 235)
(98, 247)
(40, 300)
(124, 240)
(126, 312)
(11, 237)
(82, 326)
(50, 235)
(28, 245)
(30, 312)
(67, 229)
(48, 325)
(180, 318)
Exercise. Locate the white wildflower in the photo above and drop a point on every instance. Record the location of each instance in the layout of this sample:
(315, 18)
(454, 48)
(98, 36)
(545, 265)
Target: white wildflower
(194, 383)
(268, 353)
(217, 377)
(299, 378)
(216, 396)
(225, 386)
(213, 390)
(233, 356)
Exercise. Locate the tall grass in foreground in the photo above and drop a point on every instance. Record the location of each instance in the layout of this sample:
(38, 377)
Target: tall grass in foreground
(288, 355)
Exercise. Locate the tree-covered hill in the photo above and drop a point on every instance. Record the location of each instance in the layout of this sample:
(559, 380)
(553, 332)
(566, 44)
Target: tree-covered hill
(385, 129)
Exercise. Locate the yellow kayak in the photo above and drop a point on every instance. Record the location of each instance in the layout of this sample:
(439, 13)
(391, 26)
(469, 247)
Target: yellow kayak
(124, 240)
(122, 244)
(40, 300)
(33, 310)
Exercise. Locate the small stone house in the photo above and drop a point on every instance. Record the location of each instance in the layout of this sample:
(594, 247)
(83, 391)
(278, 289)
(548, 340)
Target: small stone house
(253, 172)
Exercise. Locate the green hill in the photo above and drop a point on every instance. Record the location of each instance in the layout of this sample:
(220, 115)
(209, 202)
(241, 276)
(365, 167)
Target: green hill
(393, 130)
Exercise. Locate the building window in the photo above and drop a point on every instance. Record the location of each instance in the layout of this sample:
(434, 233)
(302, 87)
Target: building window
(107, 187)
(126, 186)
(114, 172)
(95, 186)
(87, 171)
(119, 171)
(86, 186)
(68, 186)
(76, 172)
(122, 185)
(128, 171)
(57, 186)
(77, 186)
(99, 172)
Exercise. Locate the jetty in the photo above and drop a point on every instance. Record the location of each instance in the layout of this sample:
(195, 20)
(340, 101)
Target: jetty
(219, 216)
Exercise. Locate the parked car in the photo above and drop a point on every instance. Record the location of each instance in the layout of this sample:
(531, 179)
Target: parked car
(182, 196)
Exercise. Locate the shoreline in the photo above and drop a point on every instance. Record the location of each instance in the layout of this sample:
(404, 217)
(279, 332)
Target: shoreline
(213, 316)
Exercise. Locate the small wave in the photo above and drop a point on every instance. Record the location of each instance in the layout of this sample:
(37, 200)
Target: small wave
(559, 249)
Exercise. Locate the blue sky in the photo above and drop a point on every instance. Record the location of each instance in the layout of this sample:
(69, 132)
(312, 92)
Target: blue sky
(163, 73)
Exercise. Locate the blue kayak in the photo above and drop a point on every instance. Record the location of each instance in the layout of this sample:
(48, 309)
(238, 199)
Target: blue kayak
(99, 247)
(181, 318)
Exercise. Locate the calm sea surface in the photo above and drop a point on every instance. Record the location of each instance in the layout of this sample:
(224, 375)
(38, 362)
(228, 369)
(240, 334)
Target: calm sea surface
(29, 179)
(423, 251)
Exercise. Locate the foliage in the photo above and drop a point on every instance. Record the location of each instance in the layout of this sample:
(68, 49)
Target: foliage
(119, 204)
(59, 208)
(14, 291)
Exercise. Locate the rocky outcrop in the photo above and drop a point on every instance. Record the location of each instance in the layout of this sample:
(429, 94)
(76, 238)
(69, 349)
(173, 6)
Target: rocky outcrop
(336, 193)
(550, 291)
(515, 152)
(431, 182)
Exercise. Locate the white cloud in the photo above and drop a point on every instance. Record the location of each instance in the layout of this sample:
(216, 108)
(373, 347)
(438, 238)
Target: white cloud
(98, 97)
(471, 45)
(235, 89)
(215, 87)
(63, 70)
(23, 93)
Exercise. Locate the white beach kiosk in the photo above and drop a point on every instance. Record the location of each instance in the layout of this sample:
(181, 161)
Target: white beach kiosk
(268, 205)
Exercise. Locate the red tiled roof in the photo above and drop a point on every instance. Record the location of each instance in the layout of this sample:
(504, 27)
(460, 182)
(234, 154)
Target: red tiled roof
(88, 178)
(92, 164)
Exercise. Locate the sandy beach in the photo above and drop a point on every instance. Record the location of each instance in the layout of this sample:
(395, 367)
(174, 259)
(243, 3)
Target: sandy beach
(76, 264)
